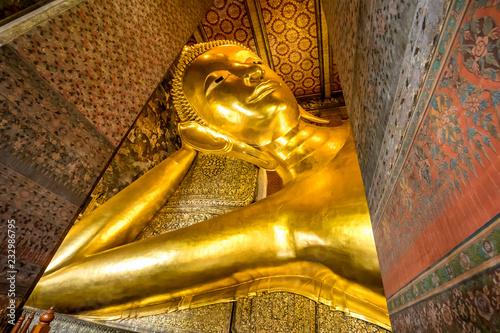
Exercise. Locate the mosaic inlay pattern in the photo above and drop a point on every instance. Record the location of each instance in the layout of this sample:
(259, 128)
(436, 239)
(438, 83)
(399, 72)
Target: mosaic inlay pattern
(470, 306)
(208, 319)
(215, 184)
(337, 321)
(229, 20)
(275, 312)
(428, 22)
(292, 34)
(151, 139)
(290, 313)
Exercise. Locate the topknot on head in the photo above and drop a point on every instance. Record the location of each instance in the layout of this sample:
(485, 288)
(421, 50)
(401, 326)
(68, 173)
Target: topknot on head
(184, 109)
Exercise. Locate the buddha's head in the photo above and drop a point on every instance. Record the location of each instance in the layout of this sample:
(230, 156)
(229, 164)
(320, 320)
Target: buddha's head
(225, 86)
(228, 101)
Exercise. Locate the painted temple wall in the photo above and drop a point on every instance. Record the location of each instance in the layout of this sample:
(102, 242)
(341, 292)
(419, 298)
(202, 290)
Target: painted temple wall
(420, 81)
(69, 91)
(430, 164)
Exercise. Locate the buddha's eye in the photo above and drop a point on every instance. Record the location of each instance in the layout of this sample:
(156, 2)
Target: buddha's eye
(214, 79)
(253, 60)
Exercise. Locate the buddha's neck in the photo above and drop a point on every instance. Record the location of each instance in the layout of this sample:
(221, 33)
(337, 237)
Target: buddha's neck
(306, 148)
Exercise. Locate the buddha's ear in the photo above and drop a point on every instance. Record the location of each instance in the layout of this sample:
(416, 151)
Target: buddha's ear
(209, 140)
(203, 138)
(306, 115)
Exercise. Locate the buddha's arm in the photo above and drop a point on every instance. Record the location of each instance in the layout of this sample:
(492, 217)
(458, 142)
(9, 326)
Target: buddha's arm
(321, 219)
(124, 216)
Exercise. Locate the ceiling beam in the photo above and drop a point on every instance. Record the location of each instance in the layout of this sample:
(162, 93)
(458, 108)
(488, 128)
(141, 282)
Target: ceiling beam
(323, 51)
(259, 31)
(200, 35)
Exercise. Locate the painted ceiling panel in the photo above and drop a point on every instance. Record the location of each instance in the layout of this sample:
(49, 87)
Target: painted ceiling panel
(286, 34)
(292, 34)
(229, 20)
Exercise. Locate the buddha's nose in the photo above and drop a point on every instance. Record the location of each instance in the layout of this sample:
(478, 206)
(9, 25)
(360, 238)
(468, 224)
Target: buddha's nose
(254, 73)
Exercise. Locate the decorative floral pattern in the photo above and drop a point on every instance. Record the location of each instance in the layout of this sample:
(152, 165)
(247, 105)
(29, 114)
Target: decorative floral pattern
(472, 306)
(70, 89)
(292, 32)
(479, 43)
(229, 20)
(42, 132)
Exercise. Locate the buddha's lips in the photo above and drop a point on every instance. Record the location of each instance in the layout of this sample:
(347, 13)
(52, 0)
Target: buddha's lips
(262, 90)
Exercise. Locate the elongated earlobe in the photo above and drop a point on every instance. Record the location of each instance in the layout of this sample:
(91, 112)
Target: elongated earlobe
(209, 140)
(203, 138)
(306, 115)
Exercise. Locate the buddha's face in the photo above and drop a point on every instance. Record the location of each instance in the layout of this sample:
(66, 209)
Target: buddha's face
(235, 93)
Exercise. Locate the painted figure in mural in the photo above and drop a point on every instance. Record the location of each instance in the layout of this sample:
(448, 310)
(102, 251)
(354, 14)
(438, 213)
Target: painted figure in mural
(312, 238)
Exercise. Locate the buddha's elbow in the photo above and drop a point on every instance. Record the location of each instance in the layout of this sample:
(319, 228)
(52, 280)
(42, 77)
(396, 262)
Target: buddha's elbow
(284, 242)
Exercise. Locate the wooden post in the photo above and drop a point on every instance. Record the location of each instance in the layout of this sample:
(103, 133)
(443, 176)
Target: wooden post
(19, 322)
(43, 325)
(27, 324)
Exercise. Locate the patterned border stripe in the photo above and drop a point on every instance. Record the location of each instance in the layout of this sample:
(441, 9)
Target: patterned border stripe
(481, 248)
(470, 306)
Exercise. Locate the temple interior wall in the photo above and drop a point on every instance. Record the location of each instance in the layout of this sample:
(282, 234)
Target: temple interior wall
(420, 81)
(421, 92)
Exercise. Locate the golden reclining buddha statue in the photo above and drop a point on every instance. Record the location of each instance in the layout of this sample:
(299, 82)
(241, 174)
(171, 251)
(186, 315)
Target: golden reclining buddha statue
(312, 238)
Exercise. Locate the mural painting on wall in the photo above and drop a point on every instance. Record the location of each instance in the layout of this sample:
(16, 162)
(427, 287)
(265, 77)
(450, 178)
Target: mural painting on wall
(453, 169)
(151, 139)
(449, 188)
